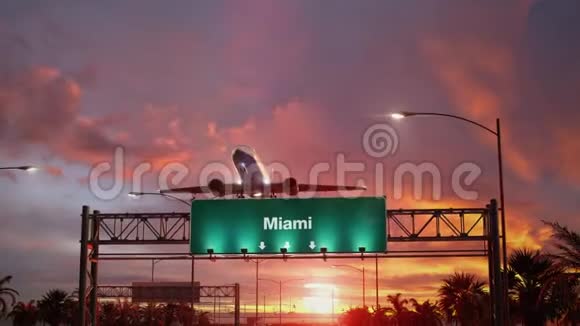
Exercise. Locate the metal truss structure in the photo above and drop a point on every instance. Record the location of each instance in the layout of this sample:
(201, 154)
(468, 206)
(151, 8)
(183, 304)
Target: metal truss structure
(148, 228)
(403, 225)
(463, 224)
(174, 228)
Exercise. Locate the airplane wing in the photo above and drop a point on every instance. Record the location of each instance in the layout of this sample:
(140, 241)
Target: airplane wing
(216, 187)
(321, 188)
(281, 187)
(187, 190)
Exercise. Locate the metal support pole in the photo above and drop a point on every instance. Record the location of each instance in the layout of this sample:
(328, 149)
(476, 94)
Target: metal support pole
(257, 288)
(498, 306)
(489, 244)
(83, 266)
(237, 305)
(264, 309)
(377, 280)
(193, 290)
(503, 224)
(94, 266)
(363, 288)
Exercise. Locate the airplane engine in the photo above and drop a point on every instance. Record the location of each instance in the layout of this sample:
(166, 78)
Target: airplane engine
(217, 187)
(291, 186)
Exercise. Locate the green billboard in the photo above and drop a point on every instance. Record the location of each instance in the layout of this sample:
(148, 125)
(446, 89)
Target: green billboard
(339, 225)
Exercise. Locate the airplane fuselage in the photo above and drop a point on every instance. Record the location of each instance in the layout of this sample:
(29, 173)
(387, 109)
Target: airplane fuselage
(251, 172)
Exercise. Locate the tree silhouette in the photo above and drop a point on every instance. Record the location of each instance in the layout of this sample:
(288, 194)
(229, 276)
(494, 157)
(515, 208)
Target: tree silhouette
(568, 244)
(128, 314)
(109, 314)
(428, 314)
(464, 300)
(539, 287)
(203, 319)
(6, 292)
(357, 316)
(56, 307)
(24, 314)
(398, 304)
(399, 311)
(151, 315)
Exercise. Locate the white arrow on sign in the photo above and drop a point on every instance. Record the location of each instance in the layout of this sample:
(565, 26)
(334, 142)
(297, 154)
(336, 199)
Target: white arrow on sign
(262, 246)
(312, 245)
(287, 245)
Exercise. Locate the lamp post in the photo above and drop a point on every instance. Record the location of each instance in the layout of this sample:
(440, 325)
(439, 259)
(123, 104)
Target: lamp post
(258, 262)
(135, 194)
(280, 283)
(377, 282)
(361, 270)
(153, 262)
(497, 134)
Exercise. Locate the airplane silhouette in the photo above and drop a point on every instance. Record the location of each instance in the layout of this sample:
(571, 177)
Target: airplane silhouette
(255, 182)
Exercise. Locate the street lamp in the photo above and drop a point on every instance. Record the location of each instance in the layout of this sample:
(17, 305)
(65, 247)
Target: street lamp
(361, 270)
(280, 282)
(153, 262)
(26, 168)
(139, 194)
(258, 262)
(497, 134)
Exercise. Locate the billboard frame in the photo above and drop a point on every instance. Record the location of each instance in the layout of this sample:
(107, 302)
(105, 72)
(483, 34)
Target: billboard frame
(98, 229)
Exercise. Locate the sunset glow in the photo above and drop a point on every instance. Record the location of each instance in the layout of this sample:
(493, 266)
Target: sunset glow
(319, 298)
(104, 103)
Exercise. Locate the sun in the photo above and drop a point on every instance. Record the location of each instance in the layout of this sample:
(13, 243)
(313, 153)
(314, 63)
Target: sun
(321, 298)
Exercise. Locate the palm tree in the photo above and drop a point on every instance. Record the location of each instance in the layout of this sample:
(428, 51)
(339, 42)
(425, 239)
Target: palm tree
(169, 313)
(398, 310)
(128, 314)
(568, 243)
(539, 287)
(55, 307)
(428, 314)
(357, 317)
(109, 314)
(382, 316)
(24, 314)
(464, 300)
(398, 304)
(6, 292)
(203, 319)
(151, 314)
(185, 314)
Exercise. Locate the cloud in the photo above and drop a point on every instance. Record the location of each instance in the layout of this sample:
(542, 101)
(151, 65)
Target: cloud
(524, 70)
(53, 170)
(288, 131)
(294, 87)
(40, 106)
(479, 78)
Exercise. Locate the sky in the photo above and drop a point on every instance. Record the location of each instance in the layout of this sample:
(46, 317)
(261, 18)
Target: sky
(301, 82)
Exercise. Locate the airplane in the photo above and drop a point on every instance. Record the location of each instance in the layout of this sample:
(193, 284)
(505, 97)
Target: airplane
(253, 180)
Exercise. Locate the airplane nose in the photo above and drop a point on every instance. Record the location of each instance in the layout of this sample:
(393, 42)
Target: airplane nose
(237, 154)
